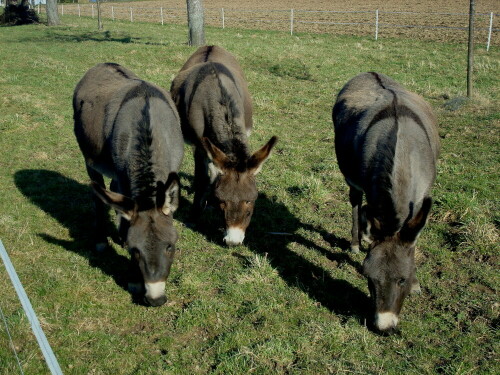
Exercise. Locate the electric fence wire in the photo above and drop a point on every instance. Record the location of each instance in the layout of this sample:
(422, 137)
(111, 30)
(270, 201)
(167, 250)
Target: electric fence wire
(10, 341)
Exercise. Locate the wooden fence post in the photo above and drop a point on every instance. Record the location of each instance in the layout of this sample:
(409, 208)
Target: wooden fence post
(223, 19)
(489, 32)
(161, 15)
(291, 22)
(470, 51)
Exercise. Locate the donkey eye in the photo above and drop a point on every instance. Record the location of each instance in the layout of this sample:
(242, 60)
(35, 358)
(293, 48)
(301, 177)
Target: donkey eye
(401, 282)
(222, 205)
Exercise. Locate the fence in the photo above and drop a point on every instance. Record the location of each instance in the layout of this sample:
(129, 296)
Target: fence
(450, 27)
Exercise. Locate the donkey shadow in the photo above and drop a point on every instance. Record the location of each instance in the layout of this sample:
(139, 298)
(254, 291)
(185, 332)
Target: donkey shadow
(339, 296)
(71, 204)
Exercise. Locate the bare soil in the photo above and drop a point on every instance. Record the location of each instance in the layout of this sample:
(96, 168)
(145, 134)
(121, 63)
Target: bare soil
(439, 20)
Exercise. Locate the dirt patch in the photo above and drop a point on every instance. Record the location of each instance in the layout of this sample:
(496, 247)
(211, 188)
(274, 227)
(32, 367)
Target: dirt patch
(439, 20)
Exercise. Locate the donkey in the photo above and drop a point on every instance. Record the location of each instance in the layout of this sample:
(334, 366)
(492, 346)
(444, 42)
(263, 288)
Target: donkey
(387, 145)
(129, 130)
(215, 109)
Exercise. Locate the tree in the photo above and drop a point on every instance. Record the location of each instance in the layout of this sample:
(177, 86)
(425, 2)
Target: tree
(52, 16)
(196, 22)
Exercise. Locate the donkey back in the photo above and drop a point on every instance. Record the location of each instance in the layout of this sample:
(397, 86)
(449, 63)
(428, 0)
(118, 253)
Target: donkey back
(215, 108)
(387, 144)
(129, 131)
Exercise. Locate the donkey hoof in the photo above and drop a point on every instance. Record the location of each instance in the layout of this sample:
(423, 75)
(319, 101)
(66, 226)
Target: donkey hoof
(101, 246)
(355, 249)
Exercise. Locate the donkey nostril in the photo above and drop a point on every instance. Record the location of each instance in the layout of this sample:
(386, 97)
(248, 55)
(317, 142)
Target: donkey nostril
(155, 302)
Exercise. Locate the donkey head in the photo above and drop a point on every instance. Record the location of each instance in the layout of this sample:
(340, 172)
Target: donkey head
(390, 268)
(235, 188)
(150, 237)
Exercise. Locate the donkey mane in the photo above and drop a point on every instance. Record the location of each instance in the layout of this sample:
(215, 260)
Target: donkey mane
(142, 175)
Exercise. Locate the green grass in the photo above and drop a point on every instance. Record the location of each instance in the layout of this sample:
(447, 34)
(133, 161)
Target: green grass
(291, 304)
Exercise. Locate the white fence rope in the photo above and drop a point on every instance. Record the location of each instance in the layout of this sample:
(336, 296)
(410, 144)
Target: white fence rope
(47, 352)
(11, 342)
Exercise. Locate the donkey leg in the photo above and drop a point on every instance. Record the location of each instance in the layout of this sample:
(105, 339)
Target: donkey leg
(356, 199)
(100, 239)
(201, 184)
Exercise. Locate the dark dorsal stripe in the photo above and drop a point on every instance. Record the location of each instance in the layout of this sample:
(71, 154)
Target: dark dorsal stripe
(397, 110)
(381, 165)
(208, 51)
(119, 70)
(208, 69)
(142, 176)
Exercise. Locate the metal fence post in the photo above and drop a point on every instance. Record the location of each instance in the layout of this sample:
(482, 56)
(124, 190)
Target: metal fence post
(161, 15)
(376, 24)
(489, 32)
(291, 22)
(223, 19)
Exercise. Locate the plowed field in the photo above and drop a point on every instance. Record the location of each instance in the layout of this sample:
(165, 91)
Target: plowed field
(445, 20)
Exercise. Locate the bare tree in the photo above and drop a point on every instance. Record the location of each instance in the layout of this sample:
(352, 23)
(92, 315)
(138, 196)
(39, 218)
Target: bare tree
(52, 16)
(196, 22)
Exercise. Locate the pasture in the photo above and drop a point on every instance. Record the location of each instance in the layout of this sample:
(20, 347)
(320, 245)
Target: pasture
(291, 299)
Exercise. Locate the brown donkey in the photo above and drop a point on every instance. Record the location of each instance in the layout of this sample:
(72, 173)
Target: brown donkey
(129, 131)
(387, 144)
(215, 108)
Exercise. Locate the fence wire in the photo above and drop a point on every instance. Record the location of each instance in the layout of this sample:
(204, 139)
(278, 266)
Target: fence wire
(439, 26)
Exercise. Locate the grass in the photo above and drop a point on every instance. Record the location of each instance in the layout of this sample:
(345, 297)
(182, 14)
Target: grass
(289, 304)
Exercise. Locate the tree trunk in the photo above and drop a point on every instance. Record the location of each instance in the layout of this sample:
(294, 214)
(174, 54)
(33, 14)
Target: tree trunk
(52, 16)
(196, 22)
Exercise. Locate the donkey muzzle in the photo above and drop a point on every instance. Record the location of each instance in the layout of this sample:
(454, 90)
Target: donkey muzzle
(234, 236)
(155, 293)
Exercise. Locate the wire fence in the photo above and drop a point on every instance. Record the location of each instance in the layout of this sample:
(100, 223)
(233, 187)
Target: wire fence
(437, 26)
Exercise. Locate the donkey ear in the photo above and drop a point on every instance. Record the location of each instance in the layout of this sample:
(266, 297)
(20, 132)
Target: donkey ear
(121, 203)
(412, 228)
(167, 194)
(256, 161)
(215, 154)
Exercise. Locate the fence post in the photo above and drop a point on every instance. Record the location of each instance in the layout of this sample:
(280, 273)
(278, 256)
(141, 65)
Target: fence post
(291, 22)
(92, 10)
(79, 14)
(489, 32)
(376, 24)
(470, 50)
(161, 15)
(223, 19)
(62, 9)
(38, 8)
(113, 13)
(131, 15)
